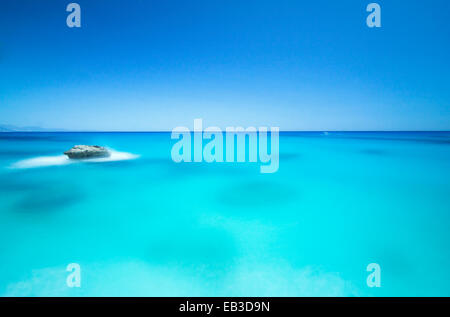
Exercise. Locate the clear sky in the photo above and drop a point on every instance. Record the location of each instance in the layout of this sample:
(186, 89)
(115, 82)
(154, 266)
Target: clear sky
(155, 65)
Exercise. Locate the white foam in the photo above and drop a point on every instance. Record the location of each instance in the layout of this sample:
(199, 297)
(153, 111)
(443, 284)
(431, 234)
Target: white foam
(42, 161)
(45, 161)
(115, 156)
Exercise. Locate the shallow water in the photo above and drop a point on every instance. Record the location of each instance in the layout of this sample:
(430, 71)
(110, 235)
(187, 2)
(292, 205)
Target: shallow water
(144, 225)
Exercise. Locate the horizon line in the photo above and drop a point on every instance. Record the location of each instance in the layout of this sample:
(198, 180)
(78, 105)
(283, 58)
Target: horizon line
(169, 131)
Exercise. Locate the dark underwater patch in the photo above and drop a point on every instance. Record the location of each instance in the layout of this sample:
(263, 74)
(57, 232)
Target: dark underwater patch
(48, 199)
(289, 156)
(25, 153)
(13, 185)
(21, 180)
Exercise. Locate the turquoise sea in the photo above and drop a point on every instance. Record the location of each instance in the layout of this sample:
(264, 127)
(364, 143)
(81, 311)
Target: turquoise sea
(142, 225)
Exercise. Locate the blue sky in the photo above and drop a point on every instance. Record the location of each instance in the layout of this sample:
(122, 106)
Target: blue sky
(155, 65)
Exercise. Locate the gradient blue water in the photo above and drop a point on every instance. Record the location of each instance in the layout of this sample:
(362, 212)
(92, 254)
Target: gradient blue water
(151, 227)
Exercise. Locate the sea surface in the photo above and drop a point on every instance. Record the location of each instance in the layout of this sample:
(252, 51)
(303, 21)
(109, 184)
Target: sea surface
(139, 224)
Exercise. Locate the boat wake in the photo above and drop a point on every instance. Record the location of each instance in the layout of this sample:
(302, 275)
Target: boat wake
(45, 161)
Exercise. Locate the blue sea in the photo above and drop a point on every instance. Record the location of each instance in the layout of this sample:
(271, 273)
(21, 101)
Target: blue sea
(139, 224)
